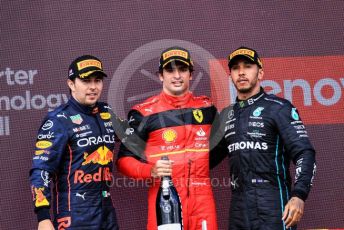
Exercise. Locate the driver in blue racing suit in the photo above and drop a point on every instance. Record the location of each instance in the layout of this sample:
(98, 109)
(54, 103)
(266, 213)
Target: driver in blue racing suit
(74, 149)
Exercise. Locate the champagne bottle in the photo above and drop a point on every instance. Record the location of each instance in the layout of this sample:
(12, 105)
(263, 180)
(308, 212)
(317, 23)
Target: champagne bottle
(168, 205)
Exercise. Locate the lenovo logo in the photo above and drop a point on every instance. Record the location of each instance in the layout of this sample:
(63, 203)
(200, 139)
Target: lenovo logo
(315, 85)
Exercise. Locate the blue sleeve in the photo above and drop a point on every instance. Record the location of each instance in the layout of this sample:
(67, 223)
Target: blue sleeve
(52, 140)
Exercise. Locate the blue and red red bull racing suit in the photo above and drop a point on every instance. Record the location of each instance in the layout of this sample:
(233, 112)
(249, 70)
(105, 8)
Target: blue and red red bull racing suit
(261, 136)
(178, 127)
(74, 149)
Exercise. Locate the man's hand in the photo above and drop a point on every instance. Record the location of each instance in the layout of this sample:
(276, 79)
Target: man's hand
(162, 168)
(45, 225)
(293, 211)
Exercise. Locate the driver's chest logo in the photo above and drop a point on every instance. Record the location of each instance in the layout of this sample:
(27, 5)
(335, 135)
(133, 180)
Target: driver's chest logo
(198, 115)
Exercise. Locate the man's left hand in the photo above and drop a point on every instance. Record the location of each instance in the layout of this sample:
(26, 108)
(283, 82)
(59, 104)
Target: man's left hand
(293, 211)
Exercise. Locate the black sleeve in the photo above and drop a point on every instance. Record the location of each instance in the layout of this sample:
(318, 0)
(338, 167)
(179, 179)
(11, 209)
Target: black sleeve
(218, 146)
(134, 137)
(298, 147)
(305, 171)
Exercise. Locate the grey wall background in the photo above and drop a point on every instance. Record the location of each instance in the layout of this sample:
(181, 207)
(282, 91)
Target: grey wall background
(44, 36)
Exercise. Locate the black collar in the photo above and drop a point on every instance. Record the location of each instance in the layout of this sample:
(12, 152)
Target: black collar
(251, 100)
(83, 108)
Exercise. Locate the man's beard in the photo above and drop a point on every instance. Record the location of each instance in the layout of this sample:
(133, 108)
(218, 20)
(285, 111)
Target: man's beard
(249, 88)
(245, 90)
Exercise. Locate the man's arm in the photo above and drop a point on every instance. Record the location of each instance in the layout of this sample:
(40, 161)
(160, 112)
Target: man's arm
(131, 157)
(218, 145)
(131, 160)
(300, 150)
(46, 225)
(50, 145)
(305, 170)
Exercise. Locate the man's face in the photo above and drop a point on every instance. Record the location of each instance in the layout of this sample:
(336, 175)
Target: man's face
(86, 91)
(175, 79)
(246, 76)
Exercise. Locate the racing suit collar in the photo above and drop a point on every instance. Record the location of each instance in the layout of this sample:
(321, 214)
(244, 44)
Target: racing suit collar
(83, 108)
(177, 102)
(251, 100)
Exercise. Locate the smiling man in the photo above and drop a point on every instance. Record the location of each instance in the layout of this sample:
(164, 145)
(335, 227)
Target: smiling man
(262, 134)
(74, 150)
(177, 124)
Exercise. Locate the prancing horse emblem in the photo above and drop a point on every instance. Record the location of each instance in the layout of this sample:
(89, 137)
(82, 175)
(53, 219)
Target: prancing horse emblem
(198, 115)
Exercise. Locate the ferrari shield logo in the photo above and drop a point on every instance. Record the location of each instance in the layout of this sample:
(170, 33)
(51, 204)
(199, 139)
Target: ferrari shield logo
(198, 115)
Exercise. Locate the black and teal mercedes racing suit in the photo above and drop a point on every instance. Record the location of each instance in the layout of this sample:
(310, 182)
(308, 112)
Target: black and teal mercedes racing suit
(261, 136)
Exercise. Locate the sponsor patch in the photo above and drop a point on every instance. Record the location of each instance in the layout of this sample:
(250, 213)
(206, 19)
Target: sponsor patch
(172, 53)
(105, 116)
(88, 141)
(43, 144)
(103, 174)
(47, 125)
(40, 199)
(257, 111)
(230, 114)
(48, 135)
(45, 178)
(83, 134)
(242, 52)
(198, 115)
(82, 128)
(294, 114)
(89, 63)
(247, 145)
(41, 151)
(102, 156)
(200, 133)
(169, 135)
(76, 119)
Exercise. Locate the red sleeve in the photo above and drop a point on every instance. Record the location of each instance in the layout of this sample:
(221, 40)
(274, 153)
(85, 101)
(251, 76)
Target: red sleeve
(134, 168)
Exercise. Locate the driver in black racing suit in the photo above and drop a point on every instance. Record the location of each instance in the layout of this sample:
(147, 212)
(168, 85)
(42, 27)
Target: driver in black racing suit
(262, 134)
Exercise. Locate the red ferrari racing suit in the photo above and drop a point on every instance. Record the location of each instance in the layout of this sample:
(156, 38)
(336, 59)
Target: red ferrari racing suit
(178, 127)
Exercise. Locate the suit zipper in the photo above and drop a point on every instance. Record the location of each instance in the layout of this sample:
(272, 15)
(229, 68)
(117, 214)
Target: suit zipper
(188, 178)
(101, 134)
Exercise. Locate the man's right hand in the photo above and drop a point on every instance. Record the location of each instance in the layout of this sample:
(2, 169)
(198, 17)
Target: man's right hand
(45, 225)
(162, 168)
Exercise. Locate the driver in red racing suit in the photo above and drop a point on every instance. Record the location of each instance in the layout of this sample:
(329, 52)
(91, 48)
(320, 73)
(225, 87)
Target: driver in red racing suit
(177, 124)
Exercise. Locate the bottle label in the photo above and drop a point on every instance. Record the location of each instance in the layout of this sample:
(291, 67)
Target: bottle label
(165, 184)
(170, 227)
(166, 208)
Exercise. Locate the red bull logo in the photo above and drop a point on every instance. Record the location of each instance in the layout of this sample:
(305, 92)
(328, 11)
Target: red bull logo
(102, 156)
(103, 174)
(40, 199)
